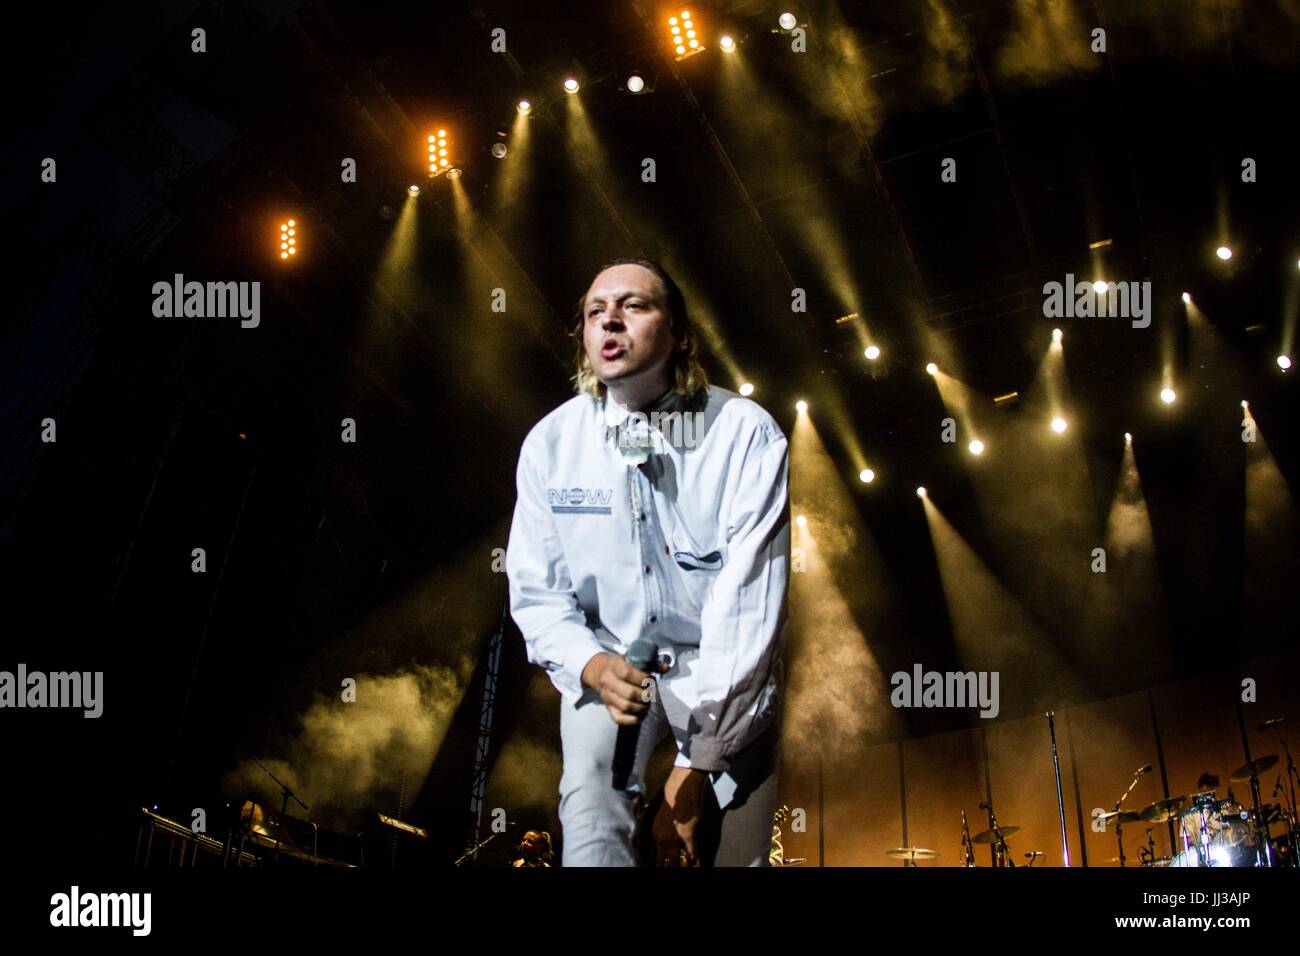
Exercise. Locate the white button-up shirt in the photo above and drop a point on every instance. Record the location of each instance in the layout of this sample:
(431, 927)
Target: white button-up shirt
(690, 547)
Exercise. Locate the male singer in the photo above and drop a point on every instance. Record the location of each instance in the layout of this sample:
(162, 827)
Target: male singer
(656, 505)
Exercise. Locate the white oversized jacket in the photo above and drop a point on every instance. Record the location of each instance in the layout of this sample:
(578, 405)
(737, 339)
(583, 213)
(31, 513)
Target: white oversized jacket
(690, 547)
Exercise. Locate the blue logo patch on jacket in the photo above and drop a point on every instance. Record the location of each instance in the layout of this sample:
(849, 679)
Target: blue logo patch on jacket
(583, 501)
(707, 562)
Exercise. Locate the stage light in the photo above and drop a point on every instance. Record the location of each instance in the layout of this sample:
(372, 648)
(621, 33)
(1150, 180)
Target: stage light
(1056, 336)
(1284, 362)
(747, 389)
(1058, 424)
(635, 84)
(570, 85)
(728, 45)
(453, 173)
(1224, 253)
(801, 521)
(685, 38)
(1128, 438)
(787, 21)
(413, 189)
(976, 447)
(866, 476)
(525, 107)
(1099, 286)
(288, 239)
(499, 150)
(439, 157)
(1167, 395)
(872, 352)
(1187, 298)
(932, 369)
(801, 406)
(921, 492)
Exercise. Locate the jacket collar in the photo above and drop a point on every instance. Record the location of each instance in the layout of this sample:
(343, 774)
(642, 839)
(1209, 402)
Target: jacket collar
(613, 414)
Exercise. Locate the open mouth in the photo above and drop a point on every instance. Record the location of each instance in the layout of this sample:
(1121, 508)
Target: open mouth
(612, 349)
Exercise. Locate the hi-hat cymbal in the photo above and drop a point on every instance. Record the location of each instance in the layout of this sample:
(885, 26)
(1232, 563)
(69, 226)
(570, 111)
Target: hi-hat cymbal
(1254, 768)
(1162, 810)
(991, 836)
(912, 853)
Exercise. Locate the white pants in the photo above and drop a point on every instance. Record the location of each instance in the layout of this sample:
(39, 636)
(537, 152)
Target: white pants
(600, 824)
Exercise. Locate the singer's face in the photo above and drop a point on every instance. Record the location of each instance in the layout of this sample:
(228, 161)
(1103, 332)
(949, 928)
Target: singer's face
(627, 332)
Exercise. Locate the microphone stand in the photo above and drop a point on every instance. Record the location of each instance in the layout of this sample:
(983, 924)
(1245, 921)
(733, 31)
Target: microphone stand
(1119, 827)
(475, 848)
(1060, 796)
(285, 792)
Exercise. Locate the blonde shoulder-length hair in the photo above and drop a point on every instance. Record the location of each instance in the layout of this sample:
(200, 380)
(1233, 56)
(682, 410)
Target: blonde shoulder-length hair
(689, 378)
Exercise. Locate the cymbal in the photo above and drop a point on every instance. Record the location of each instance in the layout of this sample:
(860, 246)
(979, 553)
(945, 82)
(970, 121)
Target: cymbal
(912, 853)
(1120, 817)
(1254, 768)
(1162, 810)
(990, 836)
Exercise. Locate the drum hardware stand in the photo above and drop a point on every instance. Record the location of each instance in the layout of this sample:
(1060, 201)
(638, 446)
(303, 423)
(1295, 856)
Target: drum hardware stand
(1060, 797)
(1001, 852)
(967, 848)
(1203, 841)
(1263, 851)
(1292, 775)
(1147, 854)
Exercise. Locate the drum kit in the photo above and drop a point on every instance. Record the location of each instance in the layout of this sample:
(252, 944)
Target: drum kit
(1205, 831)
(1209, 831)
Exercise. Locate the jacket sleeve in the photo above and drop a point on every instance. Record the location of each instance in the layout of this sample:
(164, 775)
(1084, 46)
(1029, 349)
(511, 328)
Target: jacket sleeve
(542, 598)
(742, 622)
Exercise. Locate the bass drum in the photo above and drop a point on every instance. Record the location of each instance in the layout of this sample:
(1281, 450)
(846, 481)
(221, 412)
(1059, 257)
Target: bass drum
(1220, 854)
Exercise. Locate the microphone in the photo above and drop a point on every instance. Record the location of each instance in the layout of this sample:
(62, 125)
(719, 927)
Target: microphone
(1272, 723)
(639, 655)
(1146, 769)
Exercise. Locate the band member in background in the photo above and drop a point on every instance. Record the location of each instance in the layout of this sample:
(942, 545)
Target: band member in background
(654, 504)
(535, 849)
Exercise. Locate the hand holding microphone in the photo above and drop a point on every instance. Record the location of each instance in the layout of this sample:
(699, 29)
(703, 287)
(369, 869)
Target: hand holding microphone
(622, 684)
